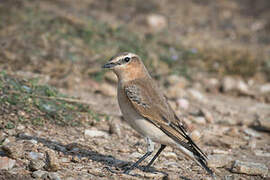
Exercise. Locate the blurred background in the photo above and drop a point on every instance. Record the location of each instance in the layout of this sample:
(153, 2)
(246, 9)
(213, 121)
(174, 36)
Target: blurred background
(51, 53)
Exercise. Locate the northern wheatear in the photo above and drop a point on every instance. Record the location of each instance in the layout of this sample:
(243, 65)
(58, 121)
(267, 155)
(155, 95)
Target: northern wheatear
(146, 110)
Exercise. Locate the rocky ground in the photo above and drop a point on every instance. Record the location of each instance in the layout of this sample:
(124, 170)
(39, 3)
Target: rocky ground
(58, 109)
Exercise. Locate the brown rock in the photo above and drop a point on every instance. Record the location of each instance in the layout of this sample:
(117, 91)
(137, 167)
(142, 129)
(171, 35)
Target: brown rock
(175, 92)
(199, 120)
(36, 164)
(108, 90)
(52, 163)
(195, 135)
(6, 163)
(13, 149)
(111, 77)
(212, 85)
(208, 115)
(114, 127)
(228, 84)
(75, 159)
(226, 141)
(262, 124)
(175, 79)
(219, 160)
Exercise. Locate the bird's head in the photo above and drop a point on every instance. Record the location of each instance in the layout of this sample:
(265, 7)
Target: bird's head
(127, 66)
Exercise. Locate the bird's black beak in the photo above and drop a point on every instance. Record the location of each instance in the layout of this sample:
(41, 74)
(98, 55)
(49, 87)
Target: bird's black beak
(109, 65)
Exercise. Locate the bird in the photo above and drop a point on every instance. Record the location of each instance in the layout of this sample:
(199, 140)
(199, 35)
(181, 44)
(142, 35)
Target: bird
(146, 109)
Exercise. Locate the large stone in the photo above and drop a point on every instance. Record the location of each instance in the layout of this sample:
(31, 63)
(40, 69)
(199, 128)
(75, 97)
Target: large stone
(108, 90)
(252, 133)
(261, 153)
(250, 168)
(195, 135)
(6, 163)
(242, 87)
(95, 133)
(175, 91)
(40, 174)
(219, 160)
(13, 149)
(197, 95)
(228, 84)
(52, 163)
(54, 176)
(212, 85)
(199, 120)
(114, 127)
(231, 142)
(111, 77)
(36, 164)
(208, 115)
(182, 103)
(156, 22)
(170, 155)
(35, 155)
(263, 124)
(265, 88)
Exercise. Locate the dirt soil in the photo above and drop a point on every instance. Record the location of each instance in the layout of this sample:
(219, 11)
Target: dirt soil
(222, 91)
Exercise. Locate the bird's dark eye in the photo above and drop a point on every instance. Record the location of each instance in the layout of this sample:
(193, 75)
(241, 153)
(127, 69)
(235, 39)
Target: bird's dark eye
(127, 59)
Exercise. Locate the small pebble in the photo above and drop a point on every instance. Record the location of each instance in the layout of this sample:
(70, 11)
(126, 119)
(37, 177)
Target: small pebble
(95, 133)
(249, 168)
(39, 174)
(6, 163)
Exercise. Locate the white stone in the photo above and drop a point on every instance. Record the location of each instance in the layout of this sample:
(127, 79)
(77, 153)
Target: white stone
(261, 153)
(39, 174)
(156, 22)
(6, 163)
(94, 133)
(170, 155)
(242, 87)
(183, 103)
(220, 151)
(265, 88)
(228, 84)
(35, 155)
(252, 133)
(199, 120)
(195, 135)
(249, 168)
(197, 95)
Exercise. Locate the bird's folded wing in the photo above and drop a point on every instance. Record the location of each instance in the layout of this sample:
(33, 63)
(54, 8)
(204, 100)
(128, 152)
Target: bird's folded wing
(153, 106)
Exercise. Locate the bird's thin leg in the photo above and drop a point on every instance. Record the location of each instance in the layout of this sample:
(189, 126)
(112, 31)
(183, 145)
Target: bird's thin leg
(162, 147)
(150, 149)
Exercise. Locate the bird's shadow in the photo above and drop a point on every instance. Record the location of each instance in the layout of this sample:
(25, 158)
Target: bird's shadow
(78, 150)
